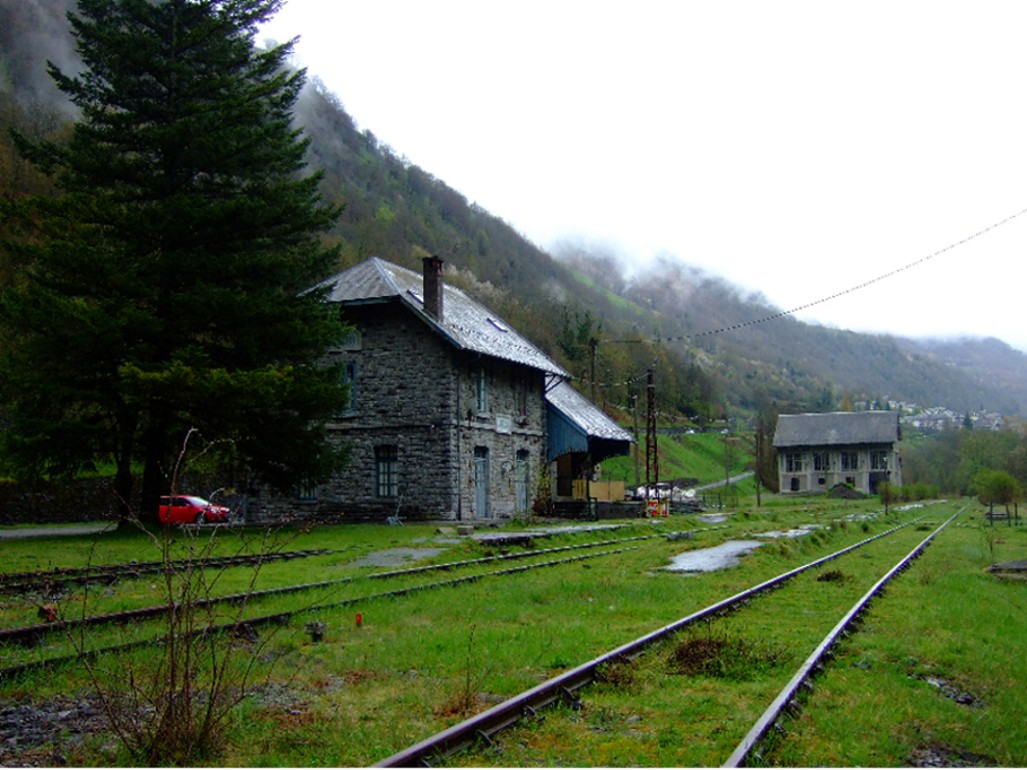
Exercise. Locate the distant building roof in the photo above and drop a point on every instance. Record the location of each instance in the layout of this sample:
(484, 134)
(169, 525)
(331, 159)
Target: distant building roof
(837, 429)
(465, 323)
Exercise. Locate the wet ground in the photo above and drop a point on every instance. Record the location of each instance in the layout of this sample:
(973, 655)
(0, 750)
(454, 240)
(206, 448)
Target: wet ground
(396, 557)
(11, 533)
(712, 518)
(728, 554)
(788, 533)
(711, 559)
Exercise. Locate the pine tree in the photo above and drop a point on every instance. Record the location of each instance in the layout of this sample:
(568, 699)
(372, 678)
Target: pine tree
(164, 287)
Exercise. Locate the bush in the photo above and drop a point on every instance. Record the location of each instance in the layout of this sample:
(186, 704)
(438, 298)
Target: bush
(910, 493)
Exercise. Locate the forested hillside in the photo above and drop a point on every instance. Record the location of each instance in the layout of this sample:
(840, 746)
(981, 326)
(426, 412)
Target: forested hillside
(660, 319)
(788, 361)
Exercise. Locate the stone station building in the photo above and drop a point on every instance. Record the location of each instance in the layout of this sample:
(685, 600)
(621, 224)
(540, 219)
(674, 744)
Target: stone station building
(452, 414)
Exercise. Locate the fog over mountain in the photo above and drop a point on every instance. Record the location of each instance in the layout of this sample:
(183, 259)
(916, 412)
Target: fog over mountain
(717, 349)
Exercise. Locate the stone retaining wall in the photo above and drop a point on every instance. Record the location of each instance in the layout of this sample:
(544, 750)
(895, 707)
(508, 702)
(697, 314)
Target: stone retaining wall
(80, 500)
(60, 502)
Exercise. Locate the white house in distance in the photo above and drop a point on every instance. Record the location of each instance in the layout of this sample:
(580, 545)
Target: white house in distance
(816, 452)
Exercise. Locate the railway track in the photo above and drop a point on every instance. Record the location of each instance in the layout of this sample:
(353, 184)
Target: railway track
(34, 633)
(53, 581)
(788, 700)
(248, 624)
(564, 688)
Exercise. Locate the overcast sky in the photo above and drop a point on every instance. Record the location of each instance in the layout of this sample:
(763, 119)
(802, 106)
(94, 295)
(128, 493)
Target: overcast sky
(793, 148)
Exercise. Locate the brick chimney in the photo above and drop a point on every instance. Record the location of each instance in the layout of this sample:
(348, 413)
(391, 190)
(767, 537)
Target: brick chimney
(433, 288)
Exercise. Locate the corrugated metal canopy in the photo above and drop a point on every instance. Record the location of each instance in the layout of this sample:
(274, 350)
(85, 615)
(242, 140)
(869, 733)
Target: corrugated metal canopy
(465, 323)
(578, 425)
(837, 429)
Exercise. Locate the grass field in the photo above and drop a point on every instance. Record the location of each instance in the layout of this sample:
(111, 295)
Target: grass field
(699, 456)
(418, 663)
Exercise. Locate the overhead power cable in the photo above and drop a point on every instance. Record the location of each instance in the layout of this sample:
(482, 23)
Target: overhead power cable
(850, 290)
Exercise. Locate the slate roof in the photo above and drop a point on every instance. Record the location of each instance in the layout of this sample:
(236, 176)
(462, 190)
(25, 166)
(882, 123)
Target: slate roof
(585, 414)
(465, 323)
(837, 429)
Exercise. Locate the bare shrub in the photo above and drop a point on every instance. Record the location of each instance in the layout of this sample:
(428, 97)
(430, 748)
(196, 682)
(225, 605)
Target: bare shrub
(465, 699)
(171, 703)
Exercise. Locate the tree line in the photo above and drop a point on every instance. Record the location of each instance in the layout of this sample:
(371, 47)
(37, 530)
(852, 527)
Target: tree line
(961, 461)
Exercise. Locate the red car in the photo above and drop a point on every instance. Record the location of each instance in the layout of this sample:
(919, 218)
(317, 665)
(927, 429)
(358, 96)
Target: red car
(187, 509)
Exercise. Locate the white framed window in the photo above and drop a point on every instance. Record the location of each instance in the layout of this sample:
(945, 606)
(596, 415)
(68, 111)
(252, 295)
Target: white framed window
(349, 378)
(353, 340)
(386, 470)
(481, 389)
(306, 491)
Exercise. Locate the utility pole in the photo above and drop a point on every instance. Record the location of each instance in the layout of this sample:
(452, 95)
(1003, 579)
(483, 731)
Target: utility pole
(652, 462)
(638, 442)
(759, 455)
(727, 455)
(592, 344)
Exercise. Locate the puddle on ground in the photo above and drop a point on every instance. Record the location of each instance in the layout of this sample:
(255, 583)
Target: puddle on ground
(799, 532)
(711, 559)
(712, 518)
(546, 531)
(395, 557)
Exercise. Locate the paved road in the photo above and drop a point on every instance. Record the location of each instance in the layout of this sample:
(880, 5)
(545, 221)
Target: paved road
(93, 528)
(732, 480)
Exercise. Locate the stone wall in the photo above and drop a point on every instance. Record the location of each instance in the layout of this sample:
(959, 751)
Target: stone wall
(416, 392)
(58, 502)
(502, 432)
(55, 503)
(404, 399)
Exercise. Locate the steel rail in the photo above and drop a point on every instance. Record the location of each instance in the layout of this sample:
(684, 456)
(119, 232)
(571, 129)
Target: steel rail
(15, 582)
(564, 686)
(244, 625)
(788, 697)
(32, 634)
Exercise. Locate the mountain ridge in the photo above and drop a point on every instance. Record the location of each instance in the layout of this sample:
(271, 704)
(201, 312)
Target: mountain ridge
(716, 348)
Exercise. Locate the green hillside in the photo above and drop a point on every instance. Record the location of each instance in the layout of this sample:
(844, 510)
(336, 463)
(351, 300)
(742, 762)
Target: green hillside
(714, 353)
(699, 458)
